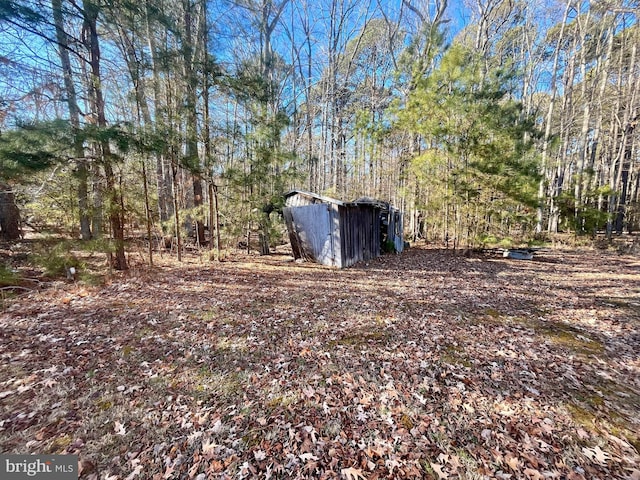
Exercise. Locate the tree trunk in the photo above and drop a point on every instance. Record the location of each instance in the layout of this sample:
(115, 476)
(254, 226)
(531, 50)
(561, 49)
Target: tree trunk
(191, 82)
(147, 208)
(621, 217)
(9, 214)
(82, 172)
(97, 217)
(176, 210)
(623, 155)
(547, 134)
(214, 221)
(263, 235)
(578, 190)
(163, 170)
(90, 37)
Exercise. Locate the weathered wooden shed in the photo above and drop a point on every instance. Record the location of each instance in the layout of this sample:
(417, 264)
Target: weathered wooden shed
(333, 232)
(391, 224)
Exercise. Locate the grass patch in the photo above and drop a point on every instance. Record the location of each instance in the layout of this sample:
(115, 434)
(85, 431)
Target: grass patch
(232, 344)
(493, 313)
(633, 306)
(454, 355)
(283, 401)
(604, 405)
(7, 276)
(59, 444)
(568, 337)
(208, 316)
(103, 404)
(209, 384)
(583, 416)
(596, 418)
(360, 339)
(57, 259)
(560, 334)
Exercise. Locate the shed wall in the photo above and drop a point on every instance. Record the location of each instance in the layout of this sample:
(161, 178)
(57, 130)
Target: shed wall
(395, 229)
(310, 231)
(360, 234)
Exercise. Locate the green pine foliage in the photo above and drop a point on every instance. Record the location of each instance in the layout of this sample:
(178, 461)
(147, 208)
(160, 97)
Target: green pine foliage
(33, 147)
(268, 167)
(37, 146)
(39, 157)
(478, 163)
(8, 276)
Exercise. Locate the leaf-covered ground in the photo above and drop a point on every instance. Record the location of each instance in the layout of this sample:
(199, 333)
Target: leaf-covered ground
(423, 365)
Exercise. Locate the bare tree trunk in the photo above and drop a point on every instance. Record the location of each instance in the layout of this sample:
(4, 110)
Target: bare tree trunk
(586, 117)
(97, 219)
(90, 37)
(82, 172)
(163, 169)
(9, 214)
(176, 210)
(622, 158)
(144, 117)
(147, 208)
(547, 130)
(305, 74)
(597, 142)
(192, 159)
(215, 219)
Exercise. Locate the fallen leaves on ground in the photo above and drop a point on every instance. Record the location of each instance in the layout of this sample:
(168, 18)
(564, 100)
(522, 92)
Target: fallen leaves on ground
(421, 365)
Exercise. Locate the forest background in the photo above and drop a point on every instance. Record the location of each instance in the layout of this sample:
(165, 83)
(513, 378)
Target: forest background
(486, 121)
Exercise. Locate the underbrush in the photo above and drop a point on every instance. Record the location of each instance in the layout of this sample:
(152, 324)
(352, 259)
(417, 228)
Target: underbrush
(8, 276)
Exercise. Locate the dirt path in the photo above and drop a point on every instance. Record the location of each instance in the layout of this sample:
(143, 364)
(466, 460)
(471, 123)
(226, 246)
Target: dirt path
(424, 365)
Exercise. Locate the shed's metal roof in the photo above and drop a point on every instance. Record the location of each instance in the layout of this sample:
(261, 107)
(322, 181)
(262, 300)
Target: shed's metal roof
(360, 201)
(322, 198)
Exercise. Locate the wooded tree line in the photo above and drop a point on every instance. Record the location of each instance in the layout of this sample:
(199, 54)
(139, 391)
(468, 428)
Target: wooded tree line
(482, 120)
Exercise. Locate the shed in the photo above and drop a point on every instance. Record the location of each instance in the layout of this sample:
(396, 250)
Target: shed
(333, 232)
(391, 224)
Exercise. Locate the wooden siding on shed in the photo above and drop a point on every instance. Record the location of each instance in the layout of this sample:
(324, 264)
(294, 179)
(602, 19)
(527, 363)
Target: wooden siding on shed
(360, 236)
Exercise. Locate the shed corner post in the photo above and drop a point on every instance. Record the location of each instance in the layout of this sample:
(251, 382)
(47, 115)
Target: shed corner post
(335, 228)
